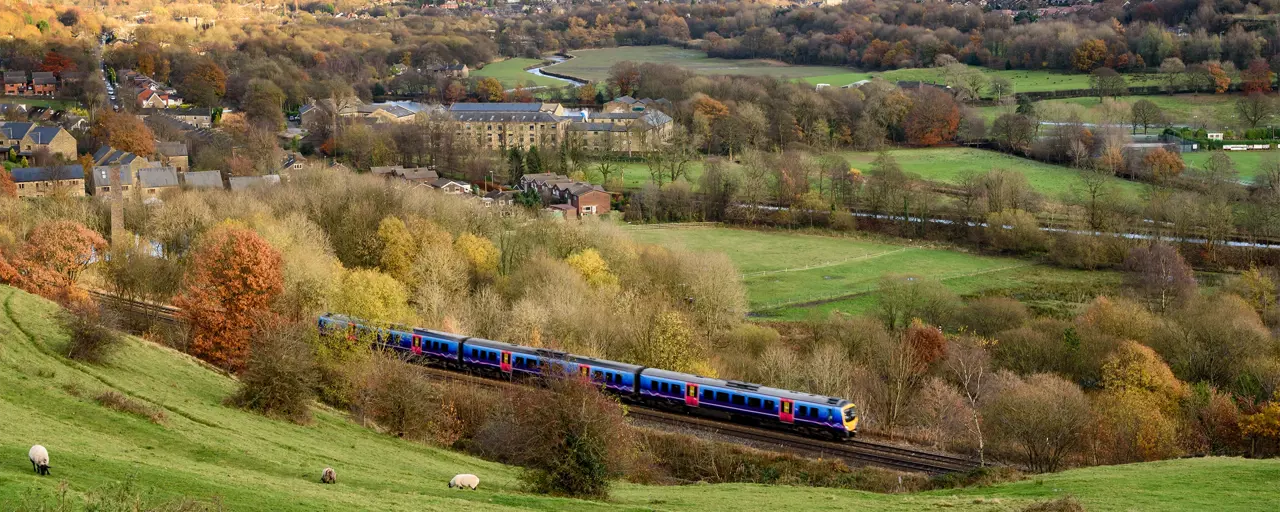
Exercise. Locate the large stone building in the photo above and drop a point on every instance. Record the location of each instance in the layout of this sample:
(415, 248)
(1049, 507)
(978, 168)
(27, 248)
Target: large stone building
(45, 181)
(524, 125)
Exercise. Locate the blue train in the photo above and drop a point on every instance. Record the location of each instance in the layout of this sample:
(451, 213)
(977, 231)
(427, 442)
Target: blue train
(808, 414)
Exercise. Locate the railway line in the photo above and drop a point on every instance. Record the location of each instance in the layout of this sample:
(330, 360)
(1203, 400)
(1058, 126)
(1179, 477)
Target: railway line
(856, 451)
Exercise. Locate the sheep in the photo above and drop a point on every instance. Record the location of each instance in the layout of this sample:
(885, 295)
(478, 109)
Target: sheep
(328, 476)
(465, 480)
(39, 459)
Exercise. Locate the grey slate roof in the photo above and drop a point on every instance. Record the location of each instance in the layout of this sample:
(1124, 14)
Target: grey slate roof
(419, 175)
(101, 176)
(496, 107)
(598, 127)
(504, 117)
(204, 179)
(44, 134)
(64, 172)
(157, 177)
(15, 130)
(15, 77)
(172, 148)
(44, 80)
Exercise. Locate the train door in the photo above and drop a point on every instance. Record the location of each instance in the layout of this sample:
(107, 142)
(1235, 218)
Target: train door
(506, 362)
(417, 345)
(691, 395)
(584, 372)
(786, 413)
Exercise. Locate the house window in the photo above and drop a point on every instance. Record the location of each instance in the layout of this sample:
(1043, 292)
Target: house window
(588, 209)
(22, 185)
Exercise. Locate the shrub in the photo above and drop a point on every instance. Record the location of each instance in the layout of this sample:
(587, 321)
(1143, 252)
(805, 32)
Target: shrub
(573, 439)
(398, 397)
(115, 400)
(990, 315)
(91, 338)
(280, 376)
(1067, 504)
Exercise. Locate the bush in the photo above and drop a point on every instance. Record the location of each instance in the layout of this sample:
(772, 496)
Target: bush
(280, 376)
(398, 397)
(91, 338)
(119, 402)
(1067, 504)
(573, 439)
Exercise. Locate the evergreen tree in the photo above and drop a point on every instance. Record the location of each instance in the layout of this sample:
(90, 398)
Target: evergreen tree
(515, 161)
(533, 161)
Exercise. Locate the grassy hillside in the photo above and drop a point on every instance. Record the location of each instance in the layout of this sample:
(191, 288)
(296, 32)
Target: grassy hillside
(203, 449)
(511, 73)
(947, 165)
(594, 64)
(790, 276)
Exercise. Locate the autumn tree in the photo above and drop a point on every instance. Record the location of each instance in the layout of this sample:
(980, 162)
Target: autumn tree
(205, 84)
(1107, 82)
(586, 93)
(57, 63)
(490, 89)
(7, 186)
(454, 92)
(51, 259)
(1257, 77)
(1254, 108)
(1171, 71)
(1089, 55)
(1014, 131)
(934, 117)
(1039, 417)
(624, 77)
(593, 267)
(398, 249)
(1159, 273)
(232, 279)
(263, 105)
(480, 254)
(125, 132)
(668, 343)
(1163, 164)
(373, 296)
(907, 297)
(1146, 113)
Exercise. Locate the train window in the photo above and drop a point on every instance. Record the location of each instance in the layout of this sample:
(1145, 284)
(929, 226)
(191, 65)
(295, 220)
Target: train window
(722, 396)
(706, 394)
(738, 400)
(768, 405)
(493, 356)
(475, 354)
(608, 377)
(753, 402)
(804, 410)
(653, 385)
(677, 390)
(596, 375)
(666, 388)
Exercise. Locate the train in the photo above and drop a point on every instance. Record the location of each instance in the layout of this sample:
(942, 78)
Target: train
(802, 413)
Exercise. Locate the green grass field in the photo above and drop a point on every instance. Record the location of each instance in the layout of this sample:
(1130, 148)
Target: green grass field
(204, 450)
(511, 73)
(948, 165)
(39, 102)
(786, 273)
(1212, 110)
(1248, 163)
(1023, 80)
(594, 65)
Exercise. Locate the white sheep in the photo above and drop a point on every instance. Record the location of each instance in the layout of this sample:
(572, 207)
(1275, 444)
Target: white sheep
(39, 459)
(465, 480)
(328, 476)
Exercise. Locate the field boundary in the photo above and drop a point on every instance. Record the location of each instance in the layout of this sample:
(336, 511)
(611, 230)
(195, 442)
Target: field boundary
(828, 263)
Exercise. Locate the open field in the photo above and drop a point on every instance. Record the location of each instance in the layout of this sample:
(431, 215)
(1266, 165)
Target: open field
(203, 449)
(948, 165)
(635, 175)
(790, 276)
(39, 102)
(511, 73)
(1248, 163)
(1023, 80)
(594, 64)
(1212, 110)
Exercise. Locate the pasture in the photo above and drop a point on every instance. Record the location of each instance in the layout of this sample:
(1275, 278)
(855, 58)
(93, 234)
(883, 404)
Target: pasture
(204, 449)
(511, 73)
(1210, 110)
(948, 165)
(791, 275)
(1023, 80)
(593, 65)
(1248, 163)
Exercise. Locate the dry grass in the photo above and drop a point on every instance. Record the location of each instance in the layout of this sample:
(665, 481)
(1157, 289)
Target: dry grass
(117, 401)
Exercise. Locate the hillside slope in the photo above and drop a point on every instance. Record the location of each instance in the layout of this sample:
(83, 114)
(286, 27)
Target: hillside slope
(204, 449)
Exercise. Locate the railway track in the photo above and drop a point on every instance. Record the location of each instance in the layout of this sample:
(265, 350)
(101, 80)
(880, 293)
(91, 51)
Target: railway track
(856, 451)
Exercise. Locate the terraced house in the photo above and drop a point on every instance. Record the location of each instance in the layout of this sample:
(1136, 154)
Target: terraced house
(30, 138)
(46, 181)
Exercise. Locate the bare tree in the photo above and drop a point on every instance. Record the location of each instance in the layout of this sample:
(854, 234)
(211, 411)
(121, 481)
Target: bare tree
(967, 365)
(1255, 108)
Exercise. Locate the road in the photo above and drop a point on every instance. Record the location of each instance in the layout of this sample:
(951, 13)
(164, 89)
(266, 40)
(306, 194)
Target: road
(112, 96)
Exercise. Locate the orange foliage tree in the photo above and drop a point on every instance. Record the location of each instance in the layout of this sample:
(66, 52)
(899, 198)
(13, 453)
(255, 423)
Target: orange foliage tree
(1164, 164)
(57, 63)
(7, 187)
(934, 117)
(51, 259)
(124, 132)
(233, 277)
(1257, 77)
(1089, 55)
(1221, 81)
(490, 89)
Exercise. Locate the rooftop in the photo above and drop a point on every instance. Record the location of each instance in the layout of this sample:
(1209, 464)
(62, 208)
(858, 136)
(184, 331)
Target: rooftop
(61, 172)
(204, 179)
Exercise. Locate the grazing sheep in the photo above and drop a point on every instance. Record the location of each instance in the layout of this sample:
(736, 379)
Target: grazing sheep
(465, 480)
(39, 459)
(328, 476)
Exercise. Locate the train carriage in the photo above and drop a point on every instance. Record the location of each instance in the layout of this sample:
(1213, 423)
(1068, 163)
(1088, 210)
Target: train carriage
(616, 377)
(512, 360)
(778, 408)
(436, 345)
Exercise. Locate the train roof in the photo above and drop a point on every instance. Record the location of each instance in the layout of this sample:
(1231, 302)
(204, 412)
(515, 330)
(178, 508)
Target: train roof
(439, 334)
(747, 387)
(519, 349)
(605, 363)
